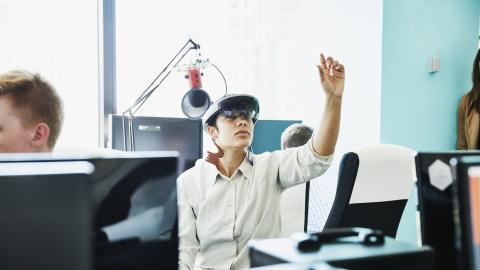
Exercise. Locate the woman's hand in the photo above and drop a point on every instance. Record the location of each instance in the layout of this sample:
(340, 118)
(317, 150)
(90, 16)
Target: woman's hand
(332, 76)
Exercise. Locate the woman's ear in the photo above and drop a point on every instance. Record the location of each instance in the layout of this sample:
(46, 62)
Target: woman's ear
(213, 132)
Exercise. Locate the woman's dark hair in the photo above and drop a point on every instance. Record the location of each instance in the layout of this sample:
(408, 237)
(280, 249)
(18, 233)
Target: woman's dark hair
(474, 94)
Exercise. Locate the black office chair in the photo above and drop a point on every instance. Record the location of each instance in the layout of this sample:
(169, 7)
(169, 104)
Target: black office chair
(373, 187)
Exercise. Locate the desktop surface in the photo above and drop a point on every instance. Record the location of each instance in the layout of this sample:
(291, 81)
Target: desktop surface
(346, 253)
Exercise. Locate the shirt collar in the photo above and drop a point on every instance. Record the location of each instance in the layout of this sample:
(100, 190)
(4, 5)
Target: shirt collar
(246, 168)
(213, 173)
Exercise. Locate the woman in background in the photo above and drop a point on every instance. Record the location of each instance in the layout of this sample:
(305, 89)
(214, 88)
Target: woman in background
(468, 124)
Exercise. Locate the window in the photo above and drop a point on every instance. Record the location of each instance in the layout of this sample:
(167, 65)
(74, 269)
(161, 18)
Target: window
(267, 48)
(58, 39)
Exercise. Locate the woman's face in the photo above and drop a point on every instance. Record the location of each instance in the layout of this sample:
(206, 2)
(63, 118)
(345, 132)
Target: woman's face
(232, 133)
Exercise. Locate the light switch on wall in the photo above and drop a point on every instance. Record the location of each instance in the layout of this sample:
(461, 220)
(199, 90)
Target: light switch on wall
(433, 64)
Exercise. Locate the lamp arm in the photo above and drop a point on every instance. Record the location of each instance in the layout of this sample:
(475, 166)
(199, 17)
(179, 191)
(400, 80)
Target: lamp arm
(140, 101)
(149, 90)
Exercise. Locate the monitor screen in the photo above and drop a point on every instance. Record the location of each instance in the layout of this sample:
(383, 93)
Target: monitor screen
(434, 190)
(466, 195)
(267, 133)
(134, 206)
(158, 134)
(45, 215)
(474, 222)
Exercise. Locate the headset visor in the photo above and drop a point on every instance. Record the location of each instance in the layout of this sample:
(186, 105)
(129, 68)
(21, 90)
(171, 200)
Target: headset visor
(243, 106)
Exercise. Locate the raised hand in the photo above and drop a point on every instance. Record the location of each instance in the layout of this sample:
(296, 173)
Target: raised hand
(332, 76)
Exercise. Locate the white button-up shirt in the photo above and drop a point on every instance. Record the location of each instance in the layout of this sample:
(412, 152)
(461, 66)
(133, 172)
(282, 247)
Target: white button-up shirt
(219, 215)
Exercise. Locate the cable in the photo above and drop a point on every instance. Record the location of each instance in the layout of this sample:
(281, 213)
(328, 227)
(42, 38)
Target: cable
(224, 80)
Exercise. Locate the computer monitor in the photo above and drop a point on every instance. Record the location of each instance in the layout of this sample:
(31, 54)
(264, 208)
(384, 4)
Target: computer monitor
(467, 211)
(267, 133)
(134, 206)
(158, 134)
(434, 178)
(45, 215)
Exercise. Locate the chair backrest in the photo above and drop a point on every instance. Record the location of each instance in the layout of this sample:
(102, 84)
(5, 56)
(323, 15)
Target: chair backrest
(373, 187)
(292, 210)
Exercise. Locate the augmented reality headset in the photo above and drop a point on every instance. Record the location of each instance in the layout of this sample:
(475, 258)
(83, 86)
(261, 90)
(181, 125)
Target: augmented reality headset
(233, 106)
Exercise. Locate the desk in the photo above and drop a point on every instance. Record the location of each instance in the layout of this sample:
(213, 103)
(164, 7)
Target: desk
(294, 266)
(345, 253)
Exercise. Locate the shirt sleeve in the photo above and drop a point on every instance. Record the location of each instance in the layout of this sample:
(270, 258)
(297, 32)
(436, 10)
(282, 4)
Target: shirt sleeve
(187, 230)
(301, 164)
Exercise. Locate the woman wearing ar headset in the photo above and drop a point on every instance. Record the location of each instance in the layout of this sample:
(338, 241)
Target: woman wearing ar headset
(233, 195)
(468, 123)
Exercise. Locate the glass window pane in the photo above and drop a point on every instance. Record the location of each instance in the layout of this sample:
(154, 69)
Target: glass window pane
(268, 48)
(58, 39)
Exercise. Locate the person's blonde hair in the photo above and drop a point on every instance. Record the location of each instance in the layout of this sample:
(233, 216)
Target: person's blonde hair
(34, 99)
